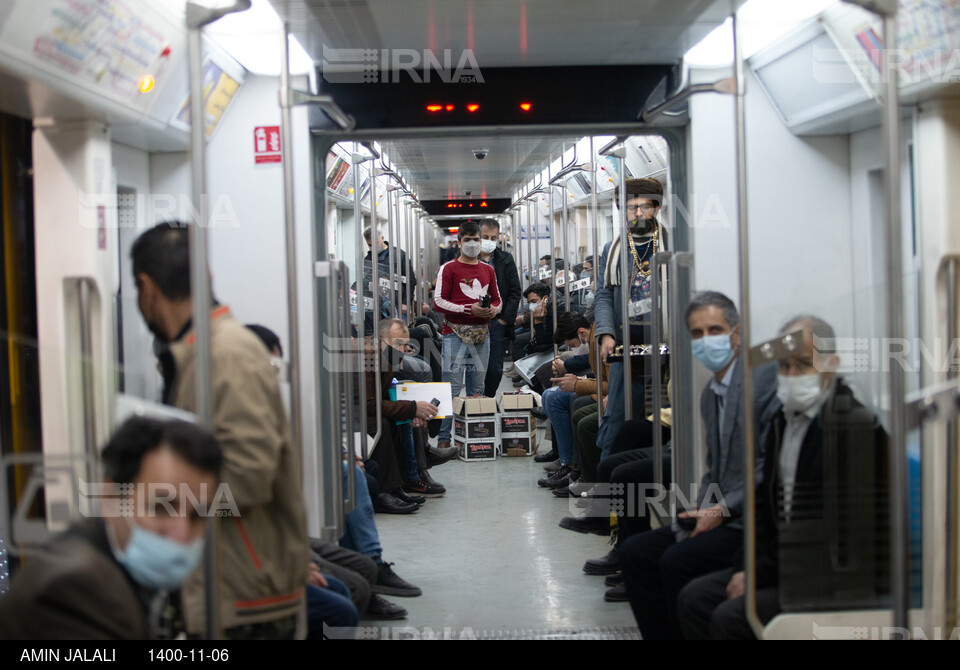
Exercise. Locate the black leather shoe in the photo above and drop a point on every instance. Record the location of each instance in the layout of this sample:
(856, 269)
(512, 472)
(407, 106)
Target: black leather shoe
(547, 457)
(613, 580)
(586, 524)
(407, 498)
(438, 456)
(389, 583)
(539, 413)
(563, 492)
(425, 477)
(607, 565)
(390, 504)
(381, 608)
(618, 594)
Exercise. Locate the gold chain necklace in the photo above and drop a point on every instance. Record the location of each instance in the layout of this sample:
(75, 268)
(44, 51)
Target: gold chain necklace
(633, 251)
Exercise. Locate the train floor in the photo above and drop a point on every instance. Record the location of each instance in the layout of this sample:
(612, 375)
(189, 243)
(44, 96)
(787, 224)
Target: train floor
(492, 560)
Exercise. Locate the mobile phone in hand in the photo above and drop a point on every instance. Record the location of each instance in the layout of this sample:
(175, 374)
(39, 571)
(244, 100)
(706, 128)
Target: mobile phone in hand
(485, 301)
(435, 402)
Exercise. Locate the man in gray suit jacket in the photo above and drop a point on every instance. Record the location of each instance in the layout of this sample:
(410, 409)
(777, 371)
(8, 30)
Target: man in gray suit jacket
(657, 564)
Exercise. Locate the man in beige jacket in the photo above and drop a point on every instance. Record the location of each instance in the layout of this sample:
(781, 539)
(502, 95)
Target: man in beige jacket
(263, 551)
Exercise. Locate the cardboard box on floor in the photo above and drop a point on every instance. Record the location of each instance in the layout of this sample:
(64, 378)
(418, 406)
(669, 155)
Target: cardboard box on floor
(518, 428)
(476, 430)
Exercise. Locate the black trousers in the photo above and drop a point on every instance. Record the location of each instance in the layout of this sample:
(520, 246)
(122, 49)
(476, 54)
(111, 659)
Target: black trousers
(634, 469)
(357, 571)
(705, 612)
(385, 454)
(656, 568)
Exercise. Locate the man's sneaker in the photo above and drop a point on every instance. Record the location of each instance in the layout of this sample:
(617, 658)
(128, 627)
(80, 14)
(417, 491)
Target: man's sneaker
(553, 466)
(381, 608)
(587, 524)
(557, 479)
(421, 488)
(443, 445)
(618, 594)
(547, 457)
(389, 583)
(607, 565)
(613, 580)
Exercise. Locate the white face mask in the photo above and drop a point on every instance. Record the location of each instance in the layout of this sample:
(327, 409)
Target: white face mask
(798, 394)
(584, 347)
(470, 249)
(487, 246)
(532, 305)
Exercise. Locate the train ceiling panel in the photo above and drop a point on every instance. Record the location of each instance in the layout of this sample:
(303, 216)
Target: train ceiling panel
(448, 168)
(508, 33)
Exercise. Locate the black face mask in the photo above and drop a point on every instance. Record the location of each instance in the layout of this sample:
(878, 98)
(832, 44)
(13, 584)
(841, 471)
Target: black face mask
(394, 357)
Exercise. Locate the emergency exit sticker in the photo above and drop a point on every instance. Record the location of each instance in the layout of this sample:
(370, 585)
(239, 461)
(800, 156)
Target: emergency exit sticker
(266, 144)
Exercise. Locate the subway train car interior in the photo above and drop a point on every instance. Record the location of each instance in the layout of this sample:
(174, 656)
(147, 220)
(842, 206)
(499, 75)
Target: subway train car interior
(443, 444)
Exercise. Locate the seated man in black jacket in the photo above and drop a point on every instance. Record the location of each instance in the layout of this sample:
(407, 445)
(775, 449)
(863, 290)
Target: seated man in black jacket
(821, 436)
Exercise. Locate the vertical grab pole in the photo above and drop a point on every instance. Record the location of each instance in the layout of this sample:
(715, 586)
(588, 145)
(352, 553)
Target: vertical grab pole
(626, 285)
(564, 218)
(595, 229)
(405, 285)
(200, 290)
(553, 263)
(530, 260)
(951, 267)
(899, 499)
(361, 303)
(293, 337)
(343, 287)
(656, 325)
(749, 446)
(375, 278)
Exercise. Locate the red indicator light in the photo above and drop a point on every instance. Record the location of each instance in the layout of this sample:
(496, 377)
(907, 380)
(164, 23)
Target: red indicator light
(434, 108)
(526, 106)
(472, 107)
(449, 108)
(483, 204)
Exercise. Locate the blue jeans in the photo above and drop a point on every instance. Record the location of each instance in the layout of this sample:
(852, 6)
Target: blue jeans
(461, 359)
(361, 535)
(556, 404)
(408, 456)
(331, 606)
(495, 364)
(615, 416)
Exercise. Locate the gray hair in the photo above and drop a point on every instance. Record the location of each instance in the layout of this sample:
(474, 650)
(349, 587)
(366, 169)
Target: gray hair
(386, 325)
(823, 334)
(714, 299)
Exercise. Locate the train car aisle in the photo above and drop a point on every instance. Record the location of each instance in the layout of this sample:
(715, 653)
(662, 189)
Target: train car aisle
(490, 557)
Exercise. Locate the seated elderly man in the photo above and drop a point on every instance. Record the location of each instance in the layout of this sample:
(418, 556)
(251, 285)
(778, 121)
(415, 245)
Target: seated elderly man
(819, 425)
(101, 578)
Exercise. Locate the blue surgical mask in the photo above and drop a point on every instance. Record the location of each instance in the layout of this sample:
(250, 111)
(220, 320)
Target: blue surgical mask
(586, 273)
(157, 562)
(714, 351)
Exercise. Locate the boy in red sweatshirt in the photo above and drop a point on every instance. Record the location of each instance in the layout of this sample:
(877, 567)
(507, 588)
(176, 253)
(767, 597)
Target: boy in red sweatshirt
(462, 285)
